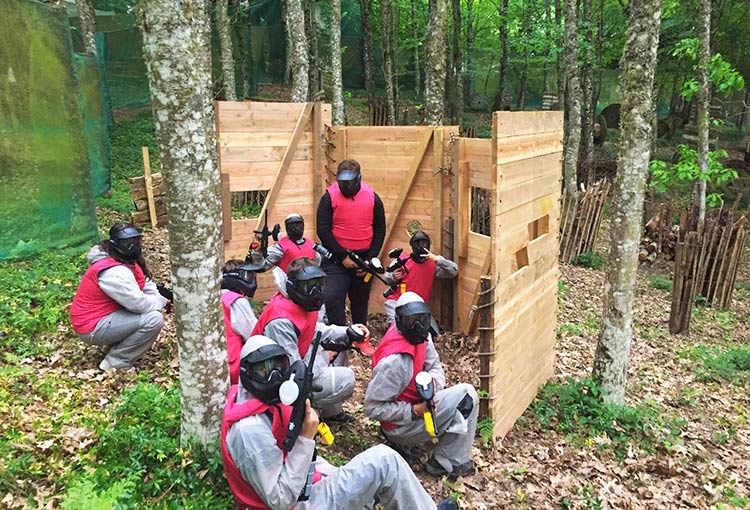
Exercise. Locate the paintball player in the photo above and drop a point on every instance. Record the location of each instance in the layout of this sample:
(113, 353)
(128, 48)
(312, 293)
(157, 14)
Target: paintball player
(293, 246)
(393, 398)
(417, 274)
(238, 286)
(291, 319)
(350, 217)
(262, 475)
(117, 305)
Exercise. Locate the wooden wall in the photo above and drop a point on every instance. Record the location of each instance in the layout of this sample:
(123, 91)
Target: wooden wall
(255, 153)
(528, 159)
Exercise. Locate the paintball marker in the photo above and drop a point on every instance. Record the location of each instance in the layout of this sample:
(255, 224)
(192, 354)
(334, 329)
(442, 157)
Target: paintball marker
(426, 391)
(355, 339)
(167, 293)
(323, 251)
(371, 267)
(263, 235)
(396, 264)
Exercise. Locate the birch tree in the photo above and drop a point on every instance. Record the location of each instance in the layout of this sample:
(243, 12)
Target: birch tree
(434, 89)
(176, 49)
(588, 108)
(87, 17)
(572, 101)
(225, 43)
(386, 32)
(637, 71)
(703, 99)
(295, 25)
(337, 108)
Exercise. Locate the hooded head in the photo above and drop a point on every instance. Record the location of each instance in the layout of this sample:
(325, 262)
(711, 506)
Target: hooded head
(306, 283)
(420, 244)
(263, 368)
(413, 318)
(125, 241)
(349, 177)
(239, 276)
(295, 227)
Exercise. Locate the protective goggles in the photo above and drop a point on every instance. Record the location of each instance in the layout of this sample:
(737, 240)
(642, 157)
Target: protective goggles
(420, 245)
(311, 287)
(129, 245)
(416, 322)
(262, 371)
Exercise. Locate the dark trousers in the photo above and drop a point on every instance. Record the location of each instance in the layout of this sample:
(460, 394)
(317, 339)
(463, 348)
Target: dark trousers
(341, 283)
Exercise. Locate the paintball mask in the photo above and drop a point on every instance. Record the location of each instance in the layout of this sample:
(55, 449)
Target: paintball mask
(264, 367)
(125, 241)
(413, 318)
(349, 178)
(420, 244)
(241, 280)
(306, 287)
(295, 227)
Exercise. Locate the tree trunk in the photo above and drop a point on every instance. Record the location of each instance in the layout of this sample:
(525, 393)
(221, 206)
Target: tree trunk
(746, 105)
(458, 64)
(225, 42)
(177, 52)
(385, 30)
(468, 59)
(499, 103)
(548, 36)
(528, 14)
(559, 66)
(300, 61)
(87, 17)
(636, 83)
(289, 44)
(364, 6)
(314, 68)
(588, 109)
(703, 100)
(434, 89)
(572, 101)
(415, 36)
(393, 40)
(337, 108)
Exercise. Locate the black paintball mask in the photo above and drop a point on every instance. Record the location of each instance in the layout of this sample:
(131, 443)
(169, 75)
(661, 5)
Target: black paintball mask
(349, 181)
(241, 280)
(420, 244)
(295, 227)
(125, 241)
(413, 319)
(263, 368)
(306, 287)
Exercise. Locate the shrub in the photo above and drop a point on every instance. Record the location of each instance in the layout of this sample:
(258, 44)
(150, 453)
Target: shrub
(590, 259)
(661, 283)
(731, 365)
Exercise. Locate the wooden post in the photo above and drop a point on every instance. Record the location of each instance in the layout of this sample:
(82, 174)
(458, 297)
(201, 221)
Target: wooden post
(226, 207)
(437, 214)
(317, 162)
(485, 311)
(149, 187)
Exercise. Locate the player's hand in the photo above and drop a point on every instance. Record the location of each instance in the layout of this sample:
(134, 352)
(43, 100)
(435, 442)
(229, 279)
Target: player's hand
(419, 409)
(349, 263)
(398, 274)
(364, 330)
(310, 425)
(430, 256)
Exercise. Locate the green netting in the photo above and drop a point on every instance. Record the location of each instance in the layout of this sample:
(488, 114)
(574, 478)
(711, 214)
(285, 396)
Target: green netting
(95, 124)
(122, 54)
(44, 170)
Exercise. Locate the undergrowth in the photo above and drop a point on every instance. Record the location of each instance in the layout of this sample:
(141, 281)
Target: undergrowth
(590, 259)
(140, 447)
(575, 407)
(716, 364)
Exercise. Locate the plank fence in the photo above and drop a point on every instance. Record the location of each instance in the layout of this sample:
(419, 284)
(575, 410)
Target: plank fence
(492, 205)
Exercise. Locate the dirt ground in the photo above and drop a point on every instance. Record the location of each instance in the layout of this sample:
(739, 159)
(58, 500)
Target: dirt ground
(533, 467)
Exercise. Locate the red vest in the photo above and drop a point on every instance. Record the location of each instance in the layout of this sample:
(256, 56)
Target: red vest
(91, 304)
(280, 307)
(419, 279)
(394, 343)
(234, 341)
(243, 492)
(293, 251)
(352, 217)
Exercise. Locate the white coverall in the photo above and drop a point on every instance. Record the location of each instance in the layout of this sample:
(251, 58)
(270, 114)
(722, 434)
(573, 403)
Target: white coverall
(455, 433)
(378, 471)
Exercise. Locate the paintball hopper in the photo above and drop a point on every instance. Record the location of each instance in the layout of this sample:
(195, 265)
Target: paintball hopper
(426, 391)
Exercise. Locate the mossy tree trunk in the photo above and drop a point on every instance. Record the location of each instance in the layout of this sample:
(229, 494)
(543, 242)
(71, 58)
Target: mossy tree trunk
(588, 107)
(227, 57)
(637, 71)
(87, 16)
(315, 84)
(295, 25)
(434, 90)
(386, 11)
(415, 36)
(703, 100)
(458, 65)
(176, 49)
(337, 108)
(572, 101)
(560, 55)
(469, 58)
(367, 54)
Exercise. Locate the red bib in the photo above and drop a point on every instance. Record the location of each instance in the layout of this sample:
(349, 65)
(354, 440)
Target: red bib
(234, 341)
(394, 342)
(280, 307)
(293, 251)
(419, 278)
(352, 217)
(91, 304)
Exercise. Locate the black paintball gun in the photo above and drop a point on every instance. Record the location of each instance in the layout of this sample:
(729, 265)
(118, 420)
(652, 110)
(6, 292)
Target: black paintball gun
(167, 293)
(356, 339)
(323, 251)
(263, 234)
(373, 267)
(396, 264)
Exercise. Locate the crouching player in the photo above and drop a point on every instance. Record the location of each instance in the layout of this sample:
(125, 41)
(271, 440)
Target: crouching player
(262, 475)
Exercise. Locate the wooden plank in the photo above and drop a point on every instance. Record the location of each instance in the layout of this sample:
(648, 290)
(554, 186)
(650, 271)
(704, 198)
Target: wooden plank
(462, 210)
(149, 186)
(519, 148)
(437, 212)
(413, 167)
(317, 163)
(475, 298)
(527, 123)
(514, 196)
(548, 166)
(275, 153)
(226, 206)
(285, 160)
(239, 139)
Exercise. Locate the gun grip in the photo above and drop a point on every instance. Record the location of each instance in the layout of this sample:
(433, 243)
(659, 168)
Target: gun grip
(429, 424)
(325, 433)
(368, 277)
